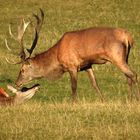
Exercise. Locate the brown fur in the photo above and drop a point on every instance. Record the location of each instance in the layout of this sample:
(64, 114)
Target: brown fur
(77, 51)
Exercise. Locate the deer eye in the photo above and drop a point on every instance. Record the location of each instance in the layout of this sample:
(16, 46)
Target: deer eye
(22, 70)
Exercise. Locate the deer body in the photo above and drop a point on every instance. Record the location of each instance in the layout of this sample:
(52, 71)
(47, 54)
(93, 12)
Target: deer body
(77, 51)
(83, 48)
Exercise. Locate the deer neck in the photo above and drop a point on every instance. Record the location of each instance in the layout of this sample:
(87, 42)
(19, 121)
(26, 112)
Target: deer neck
(47, 65)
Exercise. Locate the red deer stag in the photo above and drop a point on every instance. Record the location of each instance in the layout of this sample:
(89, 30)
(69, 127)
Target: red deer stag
(77, 51)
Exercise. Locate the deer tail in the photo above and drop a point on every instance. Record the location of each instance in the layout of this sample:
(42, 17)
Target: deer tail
(129, 42)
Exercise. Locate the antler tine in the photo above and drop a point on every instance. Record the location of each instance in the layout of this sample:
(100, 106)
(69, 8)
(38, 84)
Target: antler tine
(37, 30)
(39, 20)
(9, 49)
(22, 28)
(13, 63)
(10, 32)
(7, 46)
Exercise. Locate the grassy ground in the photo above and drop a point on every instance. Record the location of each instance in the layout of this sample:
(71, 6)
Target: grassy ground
(59, 121)
(50, 115)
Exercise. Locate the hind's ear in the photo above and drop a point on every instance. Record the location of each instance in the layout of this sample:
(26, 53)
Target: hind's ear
(3, 93)
(12, 89)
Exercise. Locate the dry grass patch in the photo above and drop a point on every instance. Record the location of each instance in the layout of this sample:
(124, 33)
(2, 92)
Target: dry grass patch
(36, 120)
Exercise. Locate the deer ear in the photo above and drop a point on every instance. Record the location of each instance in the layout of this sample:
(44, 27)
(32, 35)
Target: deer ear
(3, 93)
(11, 88)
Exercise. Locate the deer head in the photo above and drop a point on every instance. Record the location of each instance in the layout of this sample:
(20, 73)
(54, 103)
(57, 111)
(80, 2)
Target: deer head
(20, 96)
(27, 65)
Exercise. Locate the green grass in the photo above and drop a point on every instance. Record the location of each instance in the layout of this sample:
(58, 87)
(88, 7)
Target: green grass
(50, 114)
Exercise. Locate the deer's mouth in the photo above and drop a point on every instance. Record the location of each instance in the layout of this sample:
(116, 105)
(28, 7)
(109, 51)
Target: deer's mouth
(23, 88)
(20, 84)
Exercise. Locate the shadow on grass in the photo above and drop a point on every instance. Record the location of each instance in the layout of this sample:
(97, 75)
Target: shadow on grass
(6, 80)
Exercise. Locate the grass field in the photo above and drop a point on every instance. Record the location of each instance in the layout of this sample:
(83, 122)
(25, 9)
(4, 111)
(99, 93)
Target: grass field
(49, 114)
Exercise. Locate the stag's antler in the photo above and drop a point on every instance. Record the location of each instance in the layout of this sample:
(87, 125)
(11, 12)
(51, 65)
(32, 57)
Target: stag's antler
(21, 30)
(37, 30)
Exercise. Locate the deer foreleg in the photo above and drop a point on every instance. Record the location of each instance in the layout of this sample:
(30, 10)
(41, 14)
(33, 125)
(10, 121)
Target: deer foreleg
(94, 83)
(73, 76)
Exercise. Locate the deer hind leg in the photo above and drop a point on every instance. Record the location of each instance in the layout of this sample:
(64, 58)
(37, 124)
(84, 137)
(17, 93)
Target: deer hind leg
(73, 77)
(129, 81)
(94, 83)
(131, 78)
(130, 84)
(119, 56)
